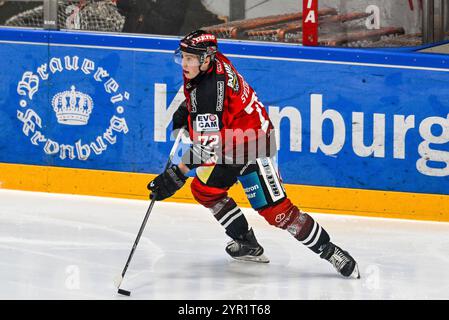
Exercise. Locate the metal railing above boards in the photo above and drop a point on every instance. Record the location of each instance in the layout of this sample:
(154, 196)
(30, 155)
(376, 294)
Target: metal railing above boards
(340, 23)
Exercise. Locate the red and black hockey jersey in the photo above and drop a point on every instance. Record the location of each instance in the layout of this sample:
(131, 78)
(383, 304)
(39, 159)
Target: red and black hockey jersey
(227, 123)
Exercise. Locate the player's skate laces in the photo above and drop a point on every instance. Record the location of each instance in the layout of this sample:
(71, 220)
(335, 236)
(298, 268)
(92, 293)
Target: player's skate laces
(341, 260)
(247, 248)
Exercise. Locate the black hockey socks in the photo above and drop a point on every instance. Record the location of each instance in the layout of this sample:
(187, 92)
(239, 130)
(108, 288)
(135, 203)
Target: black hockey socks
(306, 230)
(230, 217)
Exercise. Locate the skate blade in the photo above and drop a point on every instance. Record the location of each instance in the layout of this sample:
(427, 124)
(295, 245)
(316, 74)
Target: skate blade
(259, 259)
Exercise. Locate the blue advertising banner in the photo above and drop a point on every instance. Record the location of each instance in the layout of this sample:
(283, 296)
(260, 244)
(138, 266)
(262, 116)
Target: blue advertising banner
(346, 118)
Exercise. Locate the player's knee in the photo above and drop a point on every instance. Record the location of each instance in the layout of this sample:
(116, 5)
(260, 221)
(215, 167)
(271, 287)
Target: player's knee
(299, 224)
(206, 195)
(287, 216)
(280, 214)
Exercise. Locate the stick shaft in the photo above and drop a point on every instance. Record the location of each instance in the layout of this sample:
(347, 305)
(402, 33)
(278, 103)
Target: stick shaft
(153, 200)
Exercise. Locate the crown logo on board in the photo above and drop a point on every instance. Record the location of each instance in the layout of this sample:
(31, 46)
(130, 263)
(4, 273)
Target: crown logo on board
(72, 107)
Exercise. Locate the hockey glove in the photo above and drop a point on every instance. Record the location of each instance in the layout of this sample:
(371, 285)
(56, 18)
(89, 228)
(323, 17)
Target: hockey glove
(167, 183)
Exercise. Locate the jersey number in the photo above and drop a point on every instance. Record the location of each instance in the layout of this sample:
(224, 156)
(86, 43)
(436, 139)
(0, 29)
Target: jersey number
(211, 140)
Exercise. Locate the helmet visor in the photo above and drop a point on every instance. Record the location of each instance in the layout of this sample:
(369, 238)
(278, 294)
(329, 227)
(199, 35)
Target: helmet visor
(188, 59)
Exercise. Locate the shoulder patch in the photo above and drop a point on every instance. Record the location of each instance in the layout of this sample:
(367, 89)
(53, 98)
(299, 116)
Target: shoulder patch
(219, 67)
(233, 81)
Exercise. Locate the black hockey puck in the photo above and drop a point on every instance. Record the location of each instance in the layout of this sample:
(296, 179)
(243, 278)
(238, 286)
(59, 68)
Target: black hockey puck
(124, 292)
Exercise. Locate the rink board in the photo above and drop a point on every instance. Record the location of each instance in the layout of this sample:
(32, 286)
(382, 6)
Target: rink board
(329, 105)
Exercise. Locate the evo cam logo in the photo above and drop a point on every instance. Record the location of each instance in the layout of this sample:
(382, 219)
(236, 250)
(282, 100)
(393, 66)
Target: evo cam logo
(70, 108)
(207, 122)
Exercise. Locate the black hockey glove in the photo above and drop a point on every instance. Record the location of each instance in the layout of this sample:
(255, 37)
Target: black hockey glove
(167, 183)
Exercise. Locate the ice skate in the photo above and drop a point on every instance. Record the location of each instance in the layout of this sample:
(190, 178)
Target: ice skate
(246, 249)
(341, 260)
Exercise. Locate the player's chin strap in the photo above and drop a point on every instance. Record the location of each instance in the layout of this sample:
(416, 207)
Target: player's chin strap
(142, 227)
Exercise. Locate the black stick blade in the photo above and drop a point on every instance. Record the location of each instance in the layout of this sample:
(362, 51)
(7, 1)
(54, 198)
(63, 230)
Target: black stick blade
(124, 292)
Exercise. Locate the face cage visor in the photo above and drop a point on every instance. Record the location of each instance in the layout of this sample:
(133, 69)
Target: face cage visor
(191, 60)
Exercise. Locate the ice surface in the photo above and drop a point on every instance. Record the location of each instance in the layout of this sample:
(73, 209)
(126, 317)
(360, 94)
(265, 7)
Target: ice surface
(73, 247)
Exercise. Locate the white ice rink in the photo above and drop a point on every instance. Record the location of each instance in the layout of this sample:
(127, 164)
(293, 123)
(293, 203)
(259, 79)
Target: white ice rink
(72, 247)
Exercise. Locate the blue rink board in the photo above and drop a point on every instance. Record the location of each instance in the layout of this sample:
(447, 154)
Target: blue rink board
(119, 133)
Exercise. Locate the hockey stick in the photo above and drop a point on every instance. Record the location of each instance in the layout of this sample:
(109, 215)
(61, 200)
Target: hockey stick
(142, 227)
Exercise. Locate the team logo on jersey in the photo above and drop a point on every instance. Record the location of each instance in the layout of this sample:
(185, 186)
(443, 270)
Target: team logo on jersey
(207, 122)
(70, 136)
(233, 81)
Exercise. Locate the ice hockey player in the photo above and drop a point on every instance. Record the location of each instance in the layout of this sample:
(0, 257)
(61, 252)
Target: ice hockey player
(232, 139)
